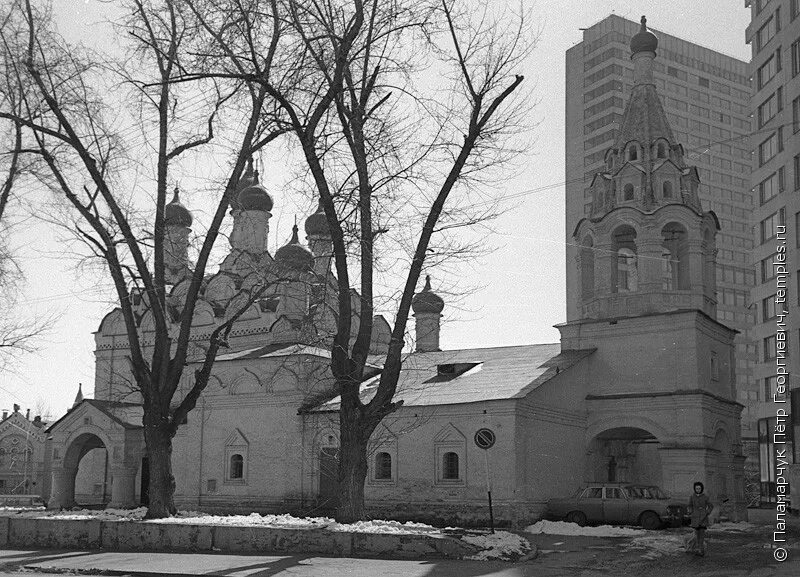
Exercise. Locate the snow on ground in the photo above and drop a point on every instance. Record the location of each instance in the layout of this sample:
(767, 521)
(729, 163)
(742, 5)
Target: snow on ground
(659, 544)
(732, 527)
(251, 520)
(500, 545)
(563, 528)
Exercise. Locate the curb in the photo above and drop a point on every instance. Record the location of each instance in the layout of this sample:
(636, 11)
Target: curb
(92, 534)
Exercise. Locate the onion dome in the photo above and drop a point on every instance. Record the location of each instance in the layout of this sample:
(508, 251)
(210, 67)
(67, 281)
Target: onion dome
(294, 255)
(255, 197)
(175, 214)
(317, 223)
(427, 301)
(644, 40)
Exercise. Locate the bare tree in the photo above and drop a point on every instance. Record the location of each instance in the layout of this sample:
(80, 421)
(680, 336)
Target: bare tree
(404, 105)
(85, 147)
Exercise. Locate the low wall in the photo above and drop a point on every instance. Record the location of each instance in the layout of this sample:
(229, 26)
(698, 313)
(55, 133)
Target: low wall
(24, 532)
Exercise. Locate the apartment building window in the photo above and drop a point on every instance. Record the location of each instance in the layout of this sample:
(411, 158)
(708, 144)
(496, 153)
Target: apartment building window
(767, 268)
(768, 309)
(768, 70)
(768, 149)
(768, 188)
(795, 58)
(767, 110)
(796, 113)
(769, 226)
(767, 31)
(770, 348)
(797, 171)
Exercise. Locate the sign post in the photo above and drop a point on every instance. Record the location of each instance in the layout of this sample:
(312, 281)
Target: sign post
(485, 439)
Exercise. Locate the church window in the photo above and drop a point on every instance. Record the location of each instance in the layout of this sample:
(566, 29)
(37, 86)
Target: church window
(714, 367)
(633, 152)
(667, 189)
(675, 255)
(662, 150)
(624, 276)
(450, 449)
(236, 467)
(236, 458)
(383, 466)
(626, 270)
(450, 469)
(628, 192)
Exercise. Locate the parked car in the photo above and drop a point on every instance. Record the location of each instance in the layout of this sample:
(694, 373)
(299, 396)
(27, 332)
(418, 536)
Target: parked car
(645, 505)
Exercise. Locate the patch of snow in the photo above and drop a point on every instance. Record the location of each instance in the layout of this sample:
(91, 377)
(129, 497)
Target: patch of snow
(500, 545)
(730, 526)
(659, 544)
(564, 528)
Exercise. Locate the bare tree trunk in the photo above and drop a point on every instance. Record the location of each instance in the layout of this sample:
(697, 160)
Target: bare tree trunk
(162, 482)
(352, 475)
(352, 465)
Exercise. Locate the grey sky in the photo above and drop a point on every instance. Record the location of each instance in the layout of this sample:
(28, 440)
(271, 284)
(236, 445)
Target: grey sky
(522, 294)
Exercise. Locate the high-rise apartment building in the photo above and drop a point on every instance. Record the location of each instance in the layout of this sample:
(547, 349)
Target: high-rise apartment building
(706, 96)
(774, 36)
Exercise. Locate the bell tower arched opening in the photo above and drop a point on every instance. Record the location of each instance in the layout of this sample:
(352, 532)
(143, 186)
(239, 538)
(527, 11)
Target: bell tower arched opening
(625, 275)
(675, 257)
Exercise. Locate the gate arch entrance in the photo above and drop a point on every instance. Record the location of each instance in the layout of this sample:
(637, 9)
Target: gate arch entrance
(624, 455)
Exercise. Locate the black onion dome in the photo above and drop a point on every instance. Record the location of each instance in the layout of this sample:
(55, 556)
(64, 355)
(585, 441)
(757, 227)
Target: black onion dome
(317, 223)
(427, 301)
(175, 214)
(644, 40)
(255, 197)
(294, 255)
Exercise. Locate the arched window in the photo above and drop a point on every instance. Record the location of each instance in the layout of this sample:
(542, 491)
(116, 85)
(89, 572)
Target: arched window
(627, 274)
(383, 466)
(662, 150)
(450, 466)
(666, 189)
(667, 270)
(633, 152)
(628, 192)
(675, 244)
(610, 161)
(237, 466)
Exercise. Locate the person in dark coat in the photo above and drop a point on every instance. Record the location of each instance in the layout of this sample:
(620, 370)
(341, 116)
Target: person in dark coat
(699, 508)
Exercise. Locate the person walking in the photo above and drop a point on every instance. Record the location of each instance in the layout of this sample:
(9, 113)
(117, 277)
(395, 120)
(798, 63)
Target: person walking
(699, 508)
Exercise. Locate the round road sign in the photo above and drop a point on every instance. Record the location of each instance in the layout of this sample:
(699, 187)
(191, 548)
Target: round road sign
(485, 438)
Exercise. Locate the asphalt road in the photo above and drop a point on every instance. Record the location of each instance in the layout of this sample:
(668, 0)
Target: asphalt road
(730, 555)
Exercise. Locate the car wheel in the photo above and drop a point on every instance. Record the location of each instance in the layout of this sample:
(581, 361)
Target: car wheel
(577, 517)
(650, 520)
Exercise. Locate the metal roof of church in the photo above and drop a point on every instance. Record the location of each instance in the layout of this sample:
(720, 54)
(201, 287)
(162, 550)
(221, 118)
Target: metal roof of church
(488, 374)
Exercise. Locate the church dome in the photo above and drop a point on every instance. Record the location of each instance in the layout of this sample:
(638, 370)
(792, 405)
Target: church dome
(427, 301)
(317, 223)
(644, 40)
(294, 255)
(255, 197)
(175, 214)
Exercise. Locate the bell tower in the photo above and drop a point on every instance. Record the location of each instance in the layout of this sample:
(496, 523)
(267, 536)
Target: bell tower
(646, 246)
(659, 387)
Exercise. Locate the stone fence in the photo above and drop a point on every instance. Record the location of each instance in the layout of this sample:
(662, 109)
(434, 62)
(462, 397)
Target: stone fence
(26, 532)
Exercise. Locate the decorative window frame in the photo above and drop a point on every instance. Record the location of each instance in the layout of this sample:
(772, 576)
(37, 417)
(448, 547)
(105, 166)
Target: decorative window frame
(385, 446)
(237, 444)
(450, 439)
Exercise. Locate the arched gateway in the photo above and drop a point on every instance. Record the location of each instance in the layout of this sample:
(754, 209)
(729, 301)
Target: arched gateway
(91, 425)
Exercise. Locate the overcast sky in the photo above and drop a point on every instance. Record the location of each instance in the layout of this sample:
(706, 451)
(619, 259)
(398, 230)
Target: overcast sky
(522, 281)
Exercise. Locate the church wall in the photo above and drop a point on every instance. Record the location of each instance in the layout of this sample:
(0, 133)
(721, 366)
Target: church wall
(663, 352)
(416, 438)
(550, 430)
